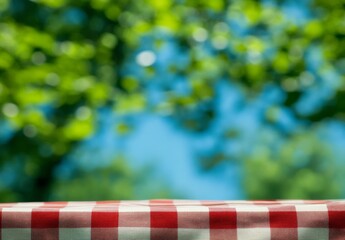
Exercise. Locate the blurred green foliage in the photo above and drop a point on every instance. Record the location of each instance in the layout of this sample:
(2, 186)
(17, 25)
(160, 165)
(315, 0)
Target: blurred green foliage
(61, 61)
(302, 168)
(116, 181)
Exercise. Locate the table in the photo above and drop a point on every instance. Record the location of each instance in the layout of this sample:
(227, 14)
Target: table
(174, 220)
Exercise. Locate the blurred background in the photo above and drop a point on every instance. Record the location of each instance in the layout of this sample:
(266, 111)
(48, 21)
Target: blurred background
(196, 99)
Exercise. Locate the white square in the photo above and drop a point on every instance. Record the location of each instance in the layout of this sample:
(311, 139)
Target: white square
(312, 208)
(17, 209)
(29, 204)
(192, 209)
(75, 233)
(195, 234)
(134, 233)
(291, 202)
(16, 233)
(240, 202)
(187, 203)
(313, 233)
(76, 203)
(254, 233)
(135, 203)
(76, 209)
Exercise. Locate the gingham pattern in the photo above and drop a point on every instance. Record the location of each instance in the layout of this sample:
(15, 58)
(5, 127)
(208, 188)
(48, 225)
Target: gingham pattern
(174, 220)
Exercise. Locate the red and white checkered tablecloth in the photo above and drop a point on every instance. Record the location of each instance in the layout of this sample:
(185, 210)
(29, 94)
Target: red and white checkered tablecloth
(174, 220)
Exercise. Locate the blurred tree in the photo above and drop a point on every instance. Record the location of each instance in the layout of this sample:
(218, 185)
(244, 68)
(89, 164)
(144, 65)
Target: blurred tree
(114, 182)
(62, 60)
(300, 168)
